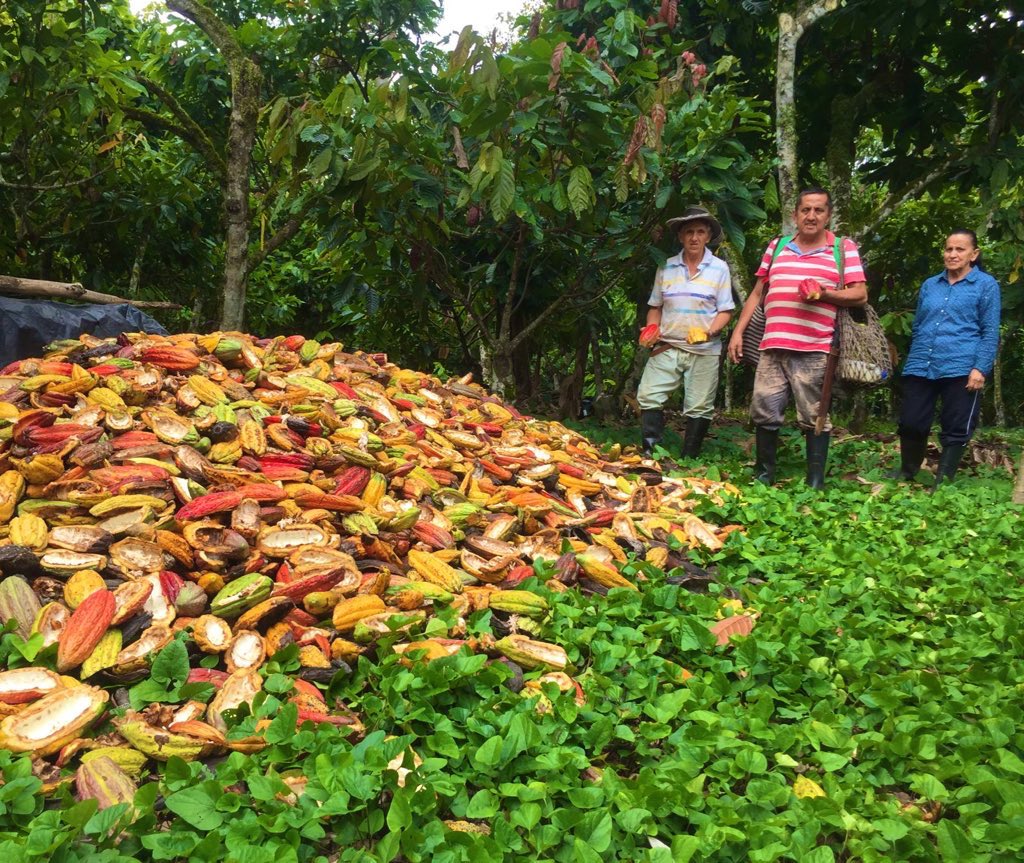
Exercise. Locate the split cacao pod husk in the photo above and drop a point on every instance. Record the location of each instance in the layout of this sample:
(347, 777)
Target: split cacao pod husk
(57, 718)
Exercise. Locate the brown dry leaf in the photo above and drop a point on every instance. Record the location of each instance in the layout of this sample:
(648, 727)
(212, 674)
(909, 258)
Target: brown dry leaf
(460, 152)
(556, 65)
(738, 624)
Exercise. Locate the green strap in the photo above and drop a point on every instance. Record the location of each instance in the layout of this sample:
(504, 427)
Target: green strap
(837, 252)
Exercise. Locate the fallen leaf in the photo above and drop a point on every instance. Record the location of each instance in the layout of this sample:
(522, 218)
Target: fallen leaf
(738, 624)
(804, 787)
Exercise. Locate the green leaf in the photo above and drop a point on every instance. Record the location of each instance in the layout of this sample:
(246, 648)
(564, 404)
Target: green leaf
(504, 192)
(399, 814)
(581, 190)
(489, 753)
(196, 807)
(321, 162)
(559, 199)
(583, 853)
(171, 664)
(953, 842)
(622, 184)
(771, 194)
(483, 804)
(684, 848)
(282, 727)
(171, 844)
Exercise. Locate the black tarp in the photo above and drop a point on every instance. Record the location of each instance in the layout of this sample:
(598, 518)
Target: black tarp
(27, 325)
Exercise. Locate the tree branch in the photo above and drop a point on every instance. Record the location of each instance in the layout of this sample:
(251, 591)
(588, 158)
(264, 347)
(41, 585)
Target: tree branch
(281, 236)
(49, 187)
(813, 13)
(506, 313)
(193, 132)
(897, 199)
(207, 21)
(445, 283)
(158, 121)
(558, 304)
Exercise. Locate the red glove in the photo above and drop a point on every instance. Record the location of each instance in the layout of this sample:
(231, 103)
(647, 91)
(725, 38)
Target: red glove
(649, 335)
(809, 290)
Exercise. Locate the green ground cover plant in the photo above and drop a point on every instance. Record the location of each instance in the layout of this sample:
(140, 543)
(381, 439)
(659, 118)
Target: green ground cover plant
(883, 678)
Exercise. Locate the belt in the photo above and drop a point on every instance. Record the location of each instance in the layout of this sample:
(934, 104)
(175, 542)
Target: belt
(660, 348)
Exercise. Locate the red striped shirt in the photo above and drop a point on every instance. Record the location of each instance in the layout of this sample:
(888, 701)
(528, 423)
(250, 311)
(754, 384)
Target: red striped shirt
(790, 323)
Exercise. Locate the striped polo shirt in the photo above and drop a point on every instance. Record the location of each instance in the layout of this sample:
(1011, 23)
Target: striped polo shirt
(692, 302)
(790, 323)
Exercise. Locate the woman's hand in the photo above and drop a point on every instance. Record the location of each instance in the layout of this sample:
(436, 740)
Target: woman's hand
(975, 380)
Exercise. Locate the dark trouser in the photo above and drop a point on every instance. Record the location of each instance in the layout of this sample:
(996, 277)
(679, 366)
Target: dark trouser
(958, 415)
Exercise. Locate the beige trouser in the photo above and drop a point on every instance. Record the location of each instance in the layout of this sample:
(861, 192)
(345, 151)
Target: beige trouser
(663, 373)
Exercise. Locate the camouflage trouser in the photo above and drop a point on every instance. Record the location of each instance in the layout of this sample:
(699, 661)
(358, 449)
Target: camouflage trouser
(781, 373)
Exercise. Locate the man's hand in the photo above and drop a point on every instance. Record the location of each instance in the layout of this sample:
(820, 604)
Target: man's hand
(809, 290)
(975, 380)
(649, 335)
(736, 346)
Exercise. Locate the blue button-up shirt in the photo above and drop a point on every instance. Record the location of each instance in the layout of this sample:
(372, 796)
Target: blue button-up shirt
(956, 327)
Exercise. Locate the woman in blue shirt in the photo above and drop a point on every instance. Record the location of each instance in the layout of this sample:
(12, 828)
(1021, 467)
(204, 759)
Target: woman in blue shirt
(952, 351)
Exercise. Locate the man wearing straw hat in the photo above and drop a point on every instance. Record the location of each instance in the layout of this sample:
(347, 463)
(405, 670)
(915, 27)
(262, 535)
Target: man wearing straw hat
(690, 305)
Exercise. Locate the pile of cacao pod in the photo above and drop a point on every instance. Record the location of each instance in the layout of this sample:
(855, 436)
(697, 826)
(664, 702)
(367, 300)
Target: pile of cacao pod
(258, 493)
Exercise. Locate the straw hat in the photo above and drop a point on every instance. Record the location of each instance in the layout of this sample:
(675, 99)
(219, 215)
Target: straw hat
(698, 214)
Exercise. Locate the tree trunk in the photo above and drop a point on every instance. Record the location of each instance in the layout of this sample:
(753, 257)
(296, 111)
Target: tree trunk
(1018, 486)
(839, 156)
(522, 359)
(570, 390)
(997, 384)
(136, 278)
(496, 363)
(246, 80)
(859, 415)
(785, 117)
(595, 353)
(791, 29)
(245, 88)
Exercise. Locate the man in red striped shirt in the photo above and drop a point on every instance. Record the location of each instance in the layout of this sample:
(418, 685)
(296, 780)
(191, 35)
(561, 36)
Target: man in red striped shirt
(802, 286)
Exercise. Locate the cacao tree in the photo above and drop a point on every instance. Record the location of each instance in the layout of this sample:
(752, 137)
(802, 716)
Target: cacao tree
(279, 100)
(82, 191)
(524, 187)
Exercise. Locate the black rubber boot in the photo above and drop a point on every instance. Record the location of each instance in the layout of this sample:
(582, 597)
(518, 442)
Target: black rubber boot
(652, 426)
(911, 456)
(817, 457)
(693, 439)
(767, 441)
(949, 461)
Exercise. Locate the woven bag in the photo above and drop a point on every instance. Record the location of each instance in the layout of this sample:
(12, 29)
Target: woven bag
(752, 336)
(864, 357)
